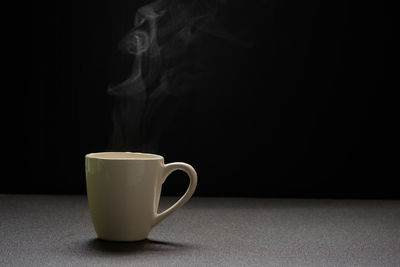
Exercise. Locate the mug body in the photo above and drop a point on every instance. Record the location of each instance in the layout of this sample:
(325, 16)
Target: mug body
(123, 191)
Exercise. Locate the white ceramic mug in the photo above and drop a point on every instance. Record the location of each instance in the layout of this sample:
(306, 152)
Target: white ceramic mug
(124, 190)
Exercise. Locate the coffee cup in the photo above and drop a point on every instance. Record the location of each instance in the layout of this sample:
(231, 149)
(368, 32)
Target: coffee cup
(124, 189)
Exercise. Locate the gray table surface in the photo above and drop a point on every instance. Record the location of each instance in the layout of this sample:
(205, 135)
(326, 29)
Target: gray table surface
(45, 230)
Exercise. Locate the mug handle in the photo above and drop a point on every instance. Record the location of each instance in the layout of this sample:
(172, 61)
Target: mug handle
(168, 169)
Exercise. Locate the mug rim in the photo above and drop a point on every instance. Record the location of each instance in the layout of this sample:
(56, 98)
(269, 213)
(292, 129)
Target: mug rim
(124, 156)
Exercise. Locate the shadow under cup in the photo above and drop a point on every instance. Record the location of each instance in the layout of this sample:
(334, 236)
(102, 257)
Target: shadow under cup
(124, 190)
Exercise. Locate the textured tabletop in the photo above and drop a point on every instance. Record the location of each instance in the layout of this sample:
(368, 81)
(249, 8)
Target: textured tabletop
(40, 230)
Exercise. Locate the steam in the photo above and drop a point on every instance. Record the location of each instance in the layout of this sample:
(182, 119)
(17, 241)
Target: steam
(159, 41)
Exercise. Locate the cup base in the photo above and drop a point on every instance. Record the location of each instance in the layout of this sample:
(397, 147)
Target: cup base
(121, 240)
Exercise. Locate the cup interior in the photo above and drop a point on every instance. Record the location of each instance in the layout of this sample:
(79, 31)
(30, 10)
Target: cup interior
(123, 155)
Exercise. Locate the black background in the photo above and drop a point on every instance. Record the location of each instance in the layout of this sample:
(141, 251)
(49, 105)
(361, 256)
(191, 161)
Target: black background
(301, 113)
